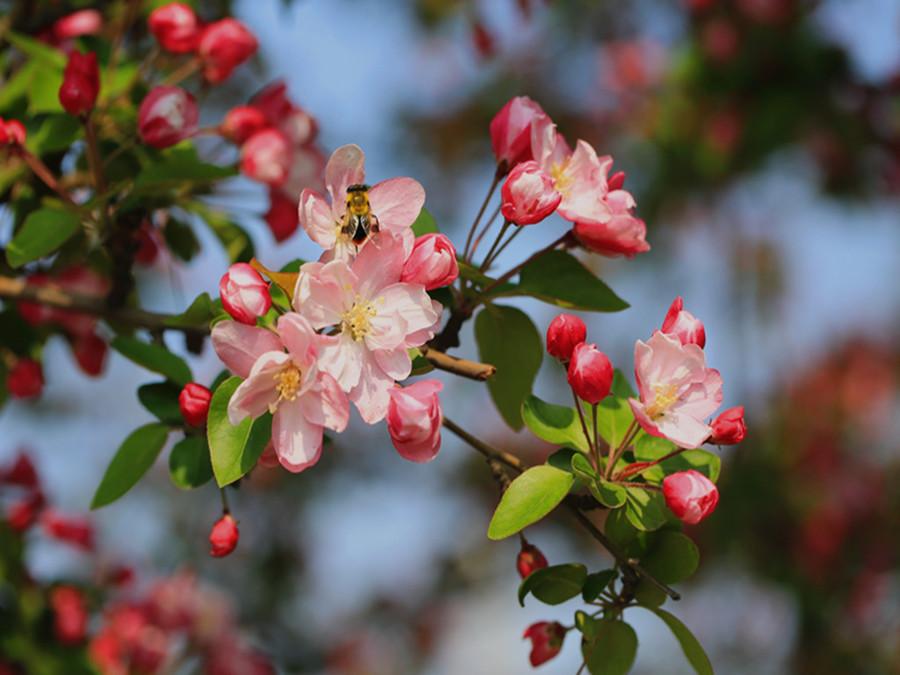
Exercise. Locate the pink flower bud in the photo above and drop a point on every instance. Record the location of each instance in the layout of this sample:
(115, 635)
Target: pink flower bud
(690, 495)
(24, 513)
(90, 353)
(414, 420)
(81, 84)
(483, 40)
(25, 379)
(176, 27)
(616, 181)
(565, 333)
(432, 262)
(242, 122)
(167, 116)
(21, 473)
(223, 538)
(683, 325)
(70, 615)
(245, 296)
(530, 559)
(546, 641)
(75, 531)
(729, 427)
(266, 157)
(590, 373)
(193, 401)
(12, 132)
(511, 131)
(223, 46)
(83, 22)
(529, 194)
(282, 216)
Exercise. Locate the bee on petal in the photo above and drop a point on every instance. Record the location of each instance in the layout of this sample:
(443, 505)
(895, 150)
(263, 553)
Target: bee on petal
(359, 222)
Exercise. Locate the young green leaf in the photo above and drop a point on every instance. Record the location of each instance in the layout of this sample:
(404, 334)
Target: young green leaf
(424, 223)
(646, 509)
(555, 424)
(529, 498)
(131, 461)
(234, 449)
(614, 416)
(582, 468)
(508, 339)
(558, 278)
(612, 496)
(42, 233)
(161, 399)
(189, 463)
(153, 357)
(691, 647)
(672, 557)
(555, 584)
(597, 583)
(612, 650)
(648, 448)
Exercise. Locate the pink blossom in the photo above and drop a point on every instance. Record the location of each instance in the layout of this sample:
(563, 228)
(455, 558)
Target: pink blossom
(414, 420)
(303, 399)
(82, 22)
(293, 121)
(167, 116)
(242, 122)
(395, 202)
(690, 495)
(683, 325)
(266, 157)
(245, 296)
(175, 26)
(223, 46)
(622, 234)
(529, 194)
(378, 319)
(677, 391)
(511, 136)
(432, 262)
(281, 216)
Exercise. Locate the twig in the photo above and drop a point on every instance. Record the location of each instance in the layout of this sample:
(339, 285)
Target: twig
(537, 254)
(452, 364)
(506, 458)
(495, 181)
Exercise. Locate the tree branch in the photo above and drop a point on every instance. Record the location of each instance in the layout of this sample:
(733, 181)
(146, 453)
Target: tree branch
(453, 364)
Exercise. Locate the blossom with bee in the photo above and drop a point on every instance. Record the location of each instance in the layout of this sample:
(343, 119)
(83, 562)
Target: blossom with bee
(394, 204)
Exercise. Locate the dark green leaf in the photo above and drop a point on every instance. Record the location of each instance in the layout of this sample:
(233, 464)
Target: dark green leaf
(628, 539)
(609, 494)
(161, 399)
(180, 239)
(555, 584)
(649, 448)
(672, 557)
(621, 387)
(529, 498)
(42, 233)
(613, 649)
(555, 424)
(153, 357)
(131, 461)
(189, 464)
(648, 594)
(692, 648)
(562, 459)
(199, 314)
(581, 467)
(424, 223)
(234, 449)
(596, 583)
(646, 509)
(508, 339)
(558, 278)
(420, 365)
(176, 167)
(56, 132)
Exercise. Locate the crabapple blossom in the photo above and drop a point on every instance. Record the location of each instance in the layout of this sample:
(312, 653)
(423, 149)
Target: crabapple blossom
(81, 83)
(432, 262)
(176, 27)
(266, 157)
(245, 296)
(546, 641)
(683, 325)
(193, 402)
(21, 473)
(677, 390)
(621, 235)
(167, 116)
(529, 560)
(242, 122)
(77, 532)
(281, 216)
(590, 373)
(223, 538)
(223, 46)
(690, 495)
(12, 132)
(396, 203)
(76, 24)
(70, 615)
(292, 385)
(729, 427)
(564, 333)
(529, 194)
(511, 136)
(414, 420)
(280, 112)
(377, 317)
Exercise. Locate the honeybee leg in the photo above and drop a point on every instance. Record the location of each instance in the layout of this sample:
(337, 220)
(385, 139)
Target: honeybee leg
(373, 224)
(347, 226)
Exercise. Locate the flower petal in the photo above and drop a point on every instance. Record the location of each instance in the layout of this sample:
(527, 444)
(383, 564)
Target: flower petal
(317, 219)
(327, 404)
(346, 166)
(239, 345)
(342, 357)
(397, 203)
(298, 443)
(372, 395)
(299, 338)
(255, 394)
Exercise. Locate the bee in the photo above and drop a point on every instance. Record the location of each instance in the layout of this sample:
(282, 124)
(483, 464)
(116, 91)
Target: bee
(359, 221)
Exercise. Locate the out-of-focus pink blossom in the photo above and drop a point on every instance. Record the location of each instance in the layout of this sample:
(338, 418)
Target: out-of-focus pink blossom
(21, 472)
(69, 529)
(281, 217)
(690, 495)
(266, 157)
(432, 262)
(683, 325)
(167, 116)
(70, 615)
(82, 22)
(90, 353)
(511, 135)
(529, 194)
(245, 295)
(176, 27)
(242, 122)
(223, 46)
(414, 420)
(25, 379)
(12, 133)
(81, 84)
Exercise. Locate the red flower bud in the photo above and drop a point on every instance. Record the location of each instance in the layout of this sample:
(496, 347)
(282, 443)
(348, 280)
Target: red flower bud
(242, 122)
(23, 514)
(75, 531)
(21, 473)
(176, 27)
(82, 22)
(530, 559)
(529, 194)
(25, 379)
(167, 116)
(565, 333)
(12, 132)
(223, 46)
(282, 216)
(483, 40)
(70, 616)
(683, 325)
(148, 245)
(224, 536)
(590, 373)
(244, 294)
(81, 83)
(432, 262)
(729, 427)
(90, 353)
(266, 157)
(194, 403)
(546, 641)
(690, 495)
(511, 131)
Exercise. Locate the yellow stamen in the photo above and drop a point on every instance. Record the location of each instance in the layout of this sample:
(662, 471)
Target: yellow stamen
(287, 384)
(563, 182)
(356, 320)
(665, 396)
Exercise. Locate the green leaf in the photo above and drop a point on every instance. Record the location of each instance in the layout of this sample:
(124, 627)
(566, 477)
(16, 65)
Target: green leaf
(42, 233)
(672, 557)
(555, 584)
(43, 91)
(199, 314)
(529, 498)
(56, 132)
(614, 416)
(691, 647)
(649, 448)
(582, 468)
(596, 583)
(180, 239)
(508, 339)
(558, 278)
(161, 399)
(609, 494)
(189, 463)
(613, 649)
(621, 387)
(234, 449)
(648, 594)
(562, 459)
(131, 461)
(424, 223)
(234, 238)
(586, 624)
(630, 541)
(646, 509)
(177, 166)
(420, 365)
(555, 424)
(153, 357)
(37, 50)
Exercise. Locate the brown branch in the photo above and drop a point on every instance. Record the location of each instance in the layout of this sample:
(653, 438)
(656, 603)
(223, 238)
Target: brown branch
(453, 364)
